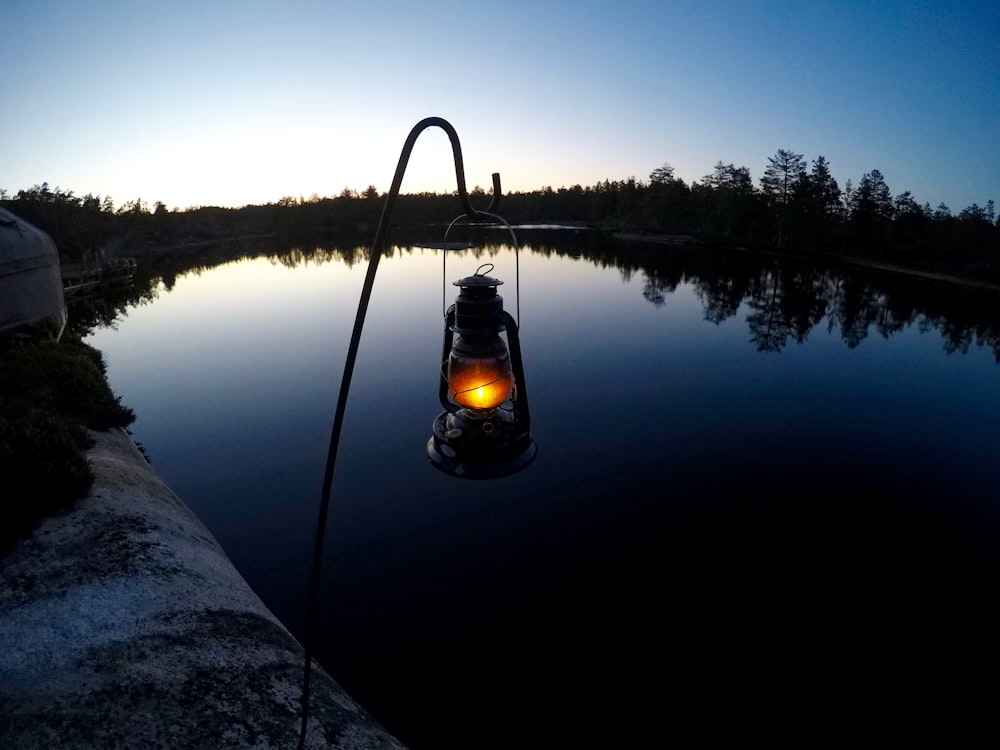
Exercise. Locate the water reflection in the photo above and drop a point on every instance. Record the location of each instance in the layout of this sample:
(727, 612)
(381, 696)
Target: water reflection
(787, 298)
(701, 516)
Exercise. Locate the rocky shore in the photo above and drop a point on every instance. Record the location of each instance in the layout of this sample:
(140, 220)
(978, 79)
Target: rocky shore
(124, 625)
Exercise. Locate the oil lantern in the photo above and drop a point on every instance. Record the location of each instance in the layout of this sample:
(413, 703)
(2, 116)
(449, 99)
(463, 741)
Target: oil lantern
(484, 432)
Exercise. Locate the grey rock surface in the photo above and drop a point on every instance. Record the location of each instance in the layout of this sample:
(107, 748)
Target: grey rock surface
(124, 625)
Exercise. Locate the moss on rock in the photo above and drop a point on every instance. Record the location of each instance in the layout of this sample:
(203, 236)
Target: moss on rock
(50, 393)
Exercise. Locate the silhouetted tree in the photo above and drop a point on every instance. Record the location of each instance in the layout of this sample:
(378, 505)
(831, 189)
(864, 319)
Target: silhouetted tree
(824, 192)
(818, 207)
(664, 203)
(727, 203)
(662, 175)
(780, 184)
(872, 198)
(909, 220)
(904, 205)
(871, 210)
(974, 215)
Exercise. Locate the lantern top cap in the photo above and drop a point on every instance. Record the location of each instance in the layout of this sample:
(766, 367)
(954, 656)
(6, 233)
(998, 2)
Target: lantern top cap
(479, 278)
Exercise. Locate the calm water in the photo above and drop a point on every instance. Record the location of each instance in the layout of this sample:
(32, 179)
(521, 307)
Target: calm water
(764, 492)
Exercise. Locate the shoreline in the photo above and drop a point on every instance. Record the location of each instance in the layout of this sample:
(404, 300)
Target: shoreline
(124, 624)
(691, 242)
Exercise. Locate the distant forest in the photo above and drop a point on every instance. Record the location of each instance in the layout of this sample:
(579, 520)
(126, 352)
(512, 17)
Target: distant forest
(795, 207)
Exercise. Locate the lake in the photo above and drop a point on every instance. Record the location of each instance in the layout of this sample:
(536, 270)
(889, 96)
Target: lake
(766, 493)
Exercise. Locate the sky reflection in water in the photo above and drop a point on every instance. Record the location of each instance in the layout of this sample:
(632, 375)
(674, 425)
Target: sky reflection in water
(701, 513)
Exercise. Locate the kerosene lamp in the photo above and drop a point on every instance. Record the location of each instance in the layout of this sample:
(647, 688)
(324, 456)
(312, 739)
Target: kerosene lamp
(484, 431)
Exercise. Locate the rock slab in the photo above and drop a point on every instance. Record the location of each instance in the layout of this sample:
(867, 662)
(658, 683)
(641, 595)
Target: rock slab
(123, 624)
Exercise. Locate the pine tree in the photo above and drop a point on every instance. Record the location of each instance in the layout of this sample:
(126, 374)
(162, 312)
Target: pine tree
(662, 175)
(780, 184)
(872, 199)
(872, 209)
(785, 171)
(823, 191)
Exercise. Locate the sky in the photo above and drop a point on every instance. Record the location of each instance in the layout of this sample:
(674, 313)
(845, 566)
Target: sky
(235, 103)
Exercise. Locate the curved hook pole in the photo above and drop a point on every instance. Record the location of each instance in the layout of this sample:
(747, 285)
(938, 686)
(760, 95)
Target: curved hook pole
(463, 196)
(352, 355)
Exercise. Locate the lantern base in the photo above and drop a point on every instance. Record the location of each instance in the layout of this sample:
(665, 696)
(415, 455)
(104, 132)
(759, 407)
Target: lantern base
(479, 448)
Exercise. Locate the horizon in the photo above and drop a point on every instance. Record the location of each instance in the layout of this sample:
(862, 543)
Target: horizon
(243, 104)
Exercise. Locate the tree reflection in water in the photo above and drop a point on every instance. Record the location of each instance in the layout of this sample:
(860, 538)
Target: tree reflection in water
(786, 297)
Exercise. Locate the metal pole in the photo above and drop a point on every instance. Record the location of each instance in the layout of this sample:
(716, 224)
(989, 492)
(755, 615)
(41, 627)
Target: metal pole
(375, 255)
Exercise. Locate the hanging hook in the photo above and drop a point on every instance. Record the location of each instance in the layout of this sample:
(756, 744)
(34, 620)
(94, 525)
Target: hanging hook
(463, 195)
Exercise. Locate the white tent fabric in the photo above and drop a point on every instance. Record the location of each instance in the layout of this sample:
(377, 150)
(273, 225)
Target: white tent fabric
(31, 288)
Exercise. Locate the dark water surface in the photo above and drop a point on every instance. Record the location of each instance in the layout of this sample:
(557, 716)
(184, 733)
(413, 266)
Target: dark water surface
(767, 494)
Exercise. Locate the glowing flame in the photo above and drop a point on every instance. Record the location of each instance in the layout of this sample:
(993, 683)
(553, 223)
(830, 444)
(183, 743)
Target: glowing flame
(480, 383)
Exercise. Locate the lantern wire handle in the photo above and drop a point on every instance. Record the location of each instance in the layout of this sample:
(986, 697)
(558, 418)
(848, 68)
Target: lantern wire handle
(377, 248)
(517, 260)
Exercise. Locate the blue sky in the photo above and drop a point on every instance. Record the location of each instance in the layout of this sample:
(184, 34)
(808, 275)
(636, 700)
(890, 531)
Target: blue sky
(226, 103)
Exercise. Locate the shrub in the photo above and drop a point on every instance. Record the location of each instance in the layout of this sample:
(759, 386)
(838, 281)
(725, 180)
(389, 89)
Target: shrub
(49, 395)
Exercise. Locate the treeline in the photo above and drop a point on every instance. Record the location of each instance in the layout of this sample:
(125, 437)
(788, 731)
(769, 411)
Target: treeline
(785, 298)
(796, 206)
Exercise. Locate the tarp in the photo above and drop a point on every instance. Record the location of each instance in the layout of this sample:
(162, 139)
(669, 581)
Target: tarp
(31, 287)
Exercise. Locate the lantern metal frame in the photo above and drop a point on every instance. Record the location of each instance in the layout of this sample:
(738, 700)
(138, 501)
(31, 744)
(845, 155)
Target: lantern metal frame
(495, 442)
(377, 248)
